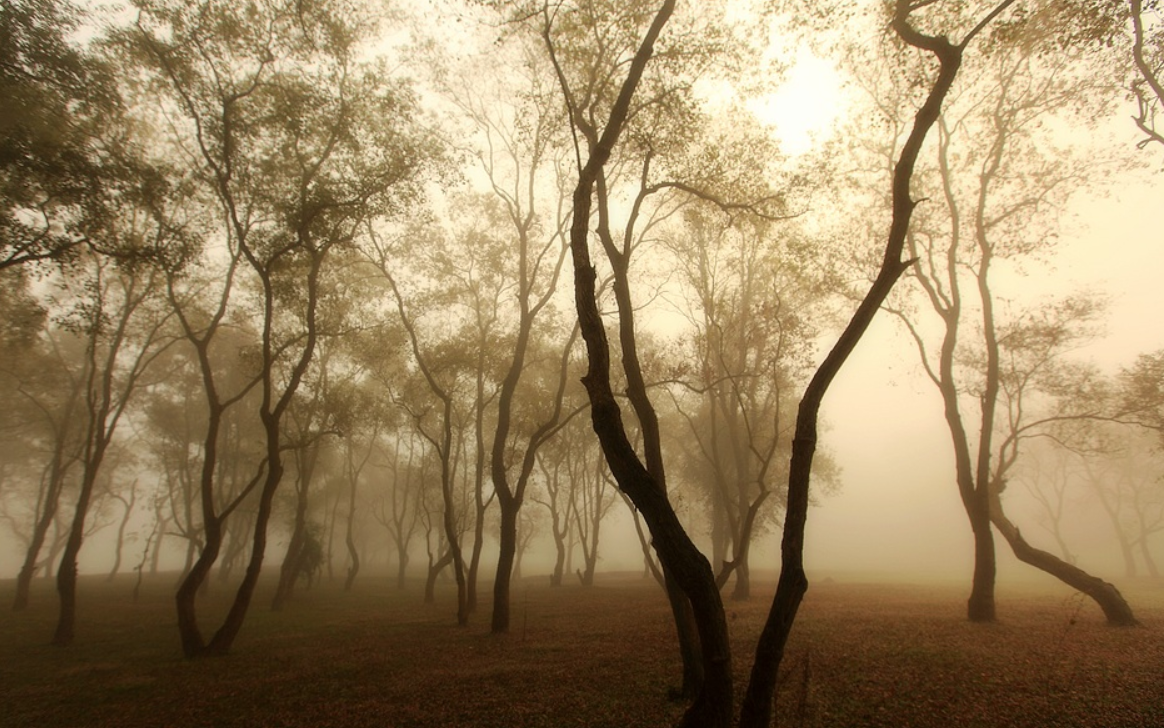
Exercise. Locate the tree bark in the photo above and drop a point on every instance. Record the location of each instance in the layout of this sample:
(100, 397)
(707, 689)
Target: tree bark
(434, 570)
(48, 513)
(712, 705)
(349, 537)
(756, 710)
(1107, 596)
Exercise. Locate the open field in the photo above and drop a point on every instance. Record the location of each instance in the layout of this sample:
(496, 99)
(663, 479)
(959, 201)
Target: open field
(860, 655)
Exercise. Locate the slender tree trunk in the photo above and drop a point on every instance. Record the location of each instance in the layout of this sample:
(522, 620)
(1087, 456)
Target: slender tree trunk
(434, 570)
(756, 710)
(67, 571)
(40, 530)
(401, 562)
(349, 538)
(224, 638)
(559, 550)
(289, 571)
(156, 554)
(1149, 562)
(121, 534)
(475, 558)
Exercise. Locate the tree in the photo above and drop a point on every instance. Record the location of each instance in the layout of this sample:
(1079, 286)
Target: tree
(752, 308)
(442, 367)
(123, 325)
(600, 131)
(521, 151)
(651, 178)
(371, 419)
(591, 499)
(57, 157)
(314, 416)
(1148, 56)
(793, 583)
(52, 385)
(300, 144)
(1120, 468)
(1047, 479)
(997, 185)
(398, 503)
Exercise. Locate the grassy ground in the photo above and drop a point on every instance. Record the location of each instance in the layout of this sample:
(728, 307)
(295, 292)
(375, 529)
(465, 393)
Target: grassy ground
(860, 655)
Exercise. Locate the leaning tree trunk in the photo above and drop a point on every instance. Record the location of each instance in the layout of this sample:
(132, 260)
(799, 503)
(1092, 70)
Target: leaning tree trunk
(756, 710)
(40, 531)
(1109, 599)
(67, 571)
(224, 638)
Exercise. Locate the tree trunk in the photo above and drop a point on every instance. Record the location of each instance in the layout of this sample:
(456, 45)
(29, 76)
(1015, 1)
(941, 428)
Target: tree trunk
(1149, 562)
(434, 570)
(475, 560)
(980, 606)
(559, 551)
(289, 571)
(354, 555)
(401, 562)
(224, 638)
(756, 710)
(1109, 599)
(67, 571)
(508, 550)
(39, 532)
(191, 636)
(121, 535)
(29, 568)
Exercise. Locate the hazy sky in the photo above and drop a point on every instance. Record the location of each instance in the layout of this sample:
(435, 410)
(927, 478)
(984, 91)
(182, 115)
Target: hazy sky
(898, 503)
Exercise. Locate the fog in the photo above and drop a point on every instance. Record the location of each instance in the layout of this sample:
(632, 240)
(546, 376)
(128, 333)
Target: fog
(423, 308)
(896, 514)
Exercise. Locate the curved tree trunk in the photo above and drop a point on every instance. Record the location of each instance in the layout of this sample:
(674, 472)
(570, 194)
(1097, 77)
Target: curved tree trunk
(1109, 599)
(434, 570)
(756, 710)
(188, 631)
(224, 638)
(350, 540)
(40, 530)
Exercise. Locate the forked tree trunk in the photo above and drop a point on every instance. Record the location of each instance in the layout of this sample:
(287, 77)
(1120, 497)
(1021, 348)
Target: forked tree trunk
(188, 630)
(434, 570)
(980, 606)
(506, 556)
(40, 530)
(224, 638)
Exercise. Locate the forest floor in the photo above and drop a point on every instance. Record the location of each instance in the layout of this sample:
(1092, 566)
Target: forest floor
(861, 654)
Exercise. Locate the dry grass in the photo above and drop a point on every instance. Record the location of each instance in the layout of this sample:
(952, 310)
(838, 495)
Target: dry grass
(861, 655)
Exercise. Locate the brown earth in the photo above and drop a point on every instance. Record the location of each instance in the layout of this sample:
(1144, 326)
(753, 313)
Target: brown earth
(861, 655)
